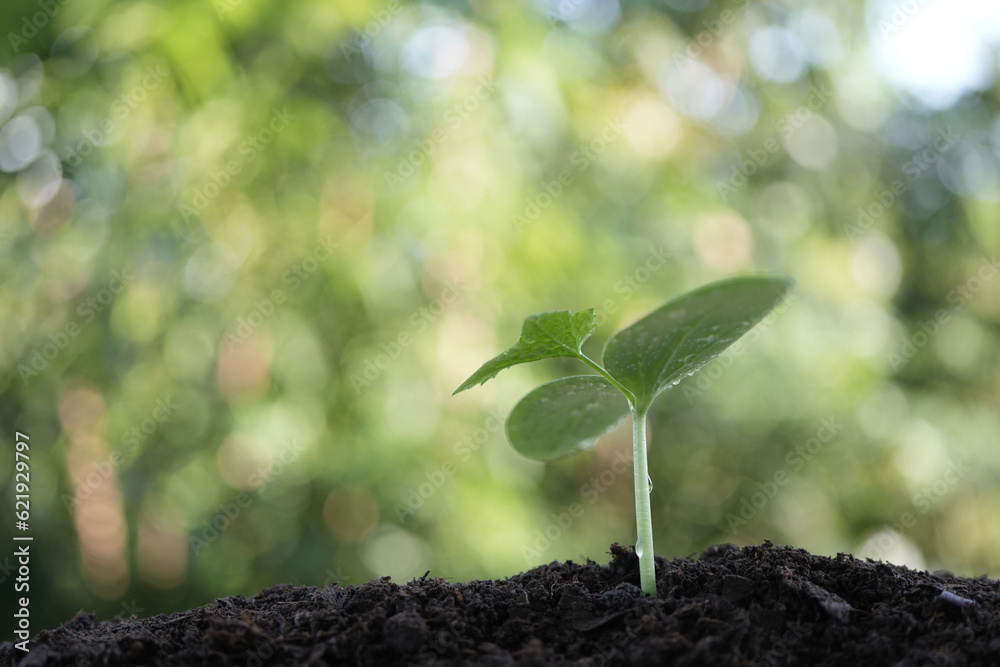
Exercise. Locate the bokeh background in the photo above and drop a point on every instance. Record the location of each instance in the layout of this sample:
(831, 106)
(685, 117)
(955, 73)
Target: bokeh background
(249, 248)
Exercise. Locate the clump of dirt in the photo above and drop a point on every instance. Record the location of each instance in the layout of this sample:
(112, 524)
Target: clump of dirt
(759, 605)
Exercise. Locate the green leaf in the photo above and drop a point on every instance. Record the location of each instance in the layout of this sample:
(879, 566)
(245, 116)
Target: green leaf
(680, 337)
(565, 417)
(559, 333)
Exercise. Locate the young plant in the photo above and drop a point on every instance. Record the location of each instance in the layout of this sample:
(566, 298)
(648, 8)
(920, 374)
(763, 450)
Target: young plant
(568, 416)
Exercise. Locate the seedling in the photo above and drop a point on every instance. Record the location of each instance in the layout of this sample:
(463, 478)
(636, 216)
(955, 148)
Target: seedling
(568, 416)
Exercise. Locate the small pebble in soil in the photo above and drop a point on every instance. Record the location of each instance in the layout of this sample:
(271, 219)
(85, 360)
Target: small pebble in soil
(405, 632)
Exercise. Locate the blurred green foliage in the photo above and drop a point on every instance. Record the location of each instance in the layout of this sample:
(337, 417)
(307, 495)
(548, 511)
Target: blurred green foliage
(248, 249)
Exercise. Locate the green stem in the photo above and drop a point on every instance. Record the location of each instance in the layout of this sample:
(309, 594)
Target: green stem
(597, 367)
(643, 515)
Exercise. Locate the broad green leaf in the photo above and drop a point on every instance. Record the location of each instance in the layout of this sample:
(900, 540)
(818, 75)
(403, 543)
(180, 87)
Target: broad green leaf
(686, 333)
(565, 416)
(558, 333)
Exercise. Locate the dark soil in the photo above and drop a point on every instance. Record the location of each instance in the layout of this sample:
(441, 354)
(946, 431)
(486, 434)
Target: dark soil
(761, 605)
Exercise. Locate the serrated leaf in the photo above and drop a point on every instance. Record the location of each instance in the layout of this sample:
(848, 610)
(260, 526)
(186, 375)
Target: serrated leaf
(686, 333)
(558, 333)
(565, 417)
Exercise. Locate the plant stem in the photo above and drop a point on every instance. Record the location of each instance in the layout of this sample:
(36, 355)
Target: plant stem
(607, 376)
(643, 515)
